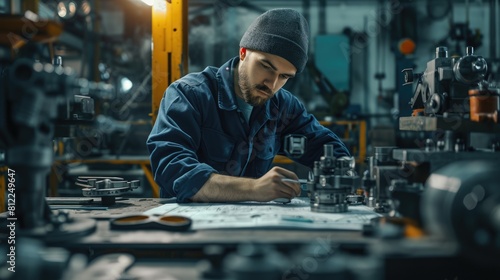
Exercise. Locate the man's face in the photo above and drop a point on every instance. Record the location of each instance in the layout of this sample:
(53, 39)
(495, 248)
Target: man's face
(261, 75)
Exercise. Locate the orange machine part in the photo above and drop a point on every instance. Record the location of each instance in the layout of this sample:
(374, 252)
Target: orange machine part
(483, 105)
(417, 112)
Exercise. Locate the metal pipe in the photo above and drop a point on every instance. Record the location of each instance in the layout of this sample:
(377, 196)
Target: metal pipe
(365, 71)
(467, 22)
(493, 38)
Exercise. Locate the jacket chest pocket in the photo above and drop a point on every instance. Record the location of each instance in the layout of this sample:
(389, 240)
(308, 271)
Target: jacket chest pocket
(265, 150)
(217, 148)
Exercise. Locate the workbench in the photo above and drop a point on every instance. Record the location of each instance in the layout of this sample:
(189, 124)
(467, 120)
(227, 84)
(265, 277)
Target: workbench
(105, 238)
(160, 254)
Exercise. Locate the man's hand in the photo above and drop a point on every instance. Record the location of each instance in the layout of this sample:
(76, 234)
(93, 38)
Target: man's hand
(221, 188)
(270, 186)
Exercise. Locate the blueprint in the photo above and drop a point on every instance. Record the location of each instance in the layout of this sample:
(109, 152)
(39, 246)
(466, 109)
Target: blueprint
(272, 215)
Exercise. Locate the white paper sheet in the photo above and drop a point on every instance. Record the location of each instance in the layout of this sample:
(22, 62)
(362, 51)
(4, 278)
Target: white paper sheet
(296, 214)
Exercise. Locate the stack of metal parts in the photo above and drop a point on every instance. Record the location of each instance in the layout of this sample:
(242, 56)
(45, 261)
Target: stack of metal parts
(333, 180)
(108, 188)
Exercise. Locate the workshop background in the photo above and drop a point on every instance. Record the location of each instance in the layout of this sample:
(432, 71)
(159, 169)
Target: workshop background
(353, 82)
(81, 81)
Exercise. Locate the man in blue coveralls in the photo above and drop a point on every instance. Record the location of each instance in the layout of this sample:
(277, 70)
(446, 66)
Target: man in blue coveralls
(218, 130)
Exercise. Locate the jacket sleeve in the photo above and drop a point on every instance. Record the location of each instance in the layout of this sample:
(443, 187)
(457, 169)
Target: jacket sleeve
(173, 143)
(296, 120)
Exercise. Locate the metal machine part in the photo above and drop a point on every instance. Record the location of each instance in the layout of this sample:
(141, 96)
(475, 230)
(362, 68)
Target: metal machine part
(452, 99)
(462, 201)
(396, 187)
(80, 108)
(470, 69)
(332, 181)
(295, 145)
(384, 170)
(444, 85)
(108, 188)
(29, 103)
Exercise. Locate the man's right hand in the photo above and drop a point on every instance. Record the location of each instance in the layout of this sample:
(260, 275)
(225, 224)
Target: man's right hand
(222, 188)
(271, 185)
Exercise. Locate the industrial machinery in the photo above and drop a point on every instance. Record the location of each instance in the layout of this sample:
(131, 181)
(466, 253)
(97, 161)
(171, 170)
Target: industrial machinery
(445, 193)
(333, 181)
(34, 96)
(30, 104)
(444, 86)
(446, 186)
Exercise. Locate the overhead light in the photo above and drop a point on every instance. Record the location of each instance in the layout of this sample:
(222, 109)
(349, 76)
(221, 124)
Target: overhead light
(125, 85)
(85, 8)
(66, 9)
(148, 2)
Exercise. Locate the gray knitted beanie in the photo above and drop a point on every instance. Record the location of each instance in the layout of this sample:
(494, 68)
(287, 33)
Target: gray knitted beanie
(282, 32)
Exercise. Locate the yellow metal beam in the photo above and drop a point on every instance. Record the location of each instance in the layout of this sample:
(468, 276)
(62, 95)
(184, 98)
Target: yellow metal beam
(146, 168)
(357, 127)
(170, 57)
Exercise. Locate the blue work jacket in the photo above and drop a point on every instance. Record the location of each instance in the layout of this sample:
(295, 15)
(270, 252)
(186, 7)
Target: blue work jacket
(199, 131)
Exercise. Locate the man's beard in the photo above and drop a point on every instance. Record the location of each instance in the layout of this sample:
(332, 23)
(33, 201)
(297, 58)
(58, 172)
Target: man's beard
(247, 89)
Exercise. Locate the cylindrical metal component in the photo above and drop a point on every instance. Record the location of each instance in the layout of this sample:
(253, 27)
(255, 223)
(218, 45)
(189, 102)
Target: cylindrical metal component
(460, 202)
(459, 145)
(441, 52)
(470, 69)
(429, 145)
(440, 145)
(338, 182)
(483, 105)
(449, 140)
(328, 150)
(329, 197)
(58, 61)
(328, 160)
(355, 199)
(317, 169)
(345, 166)
(469, 50)
(329, 208)
(371, 165)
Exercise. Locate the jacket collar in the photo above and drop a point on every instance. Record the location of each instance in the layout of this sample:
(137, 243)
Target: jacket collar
(227, 96)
